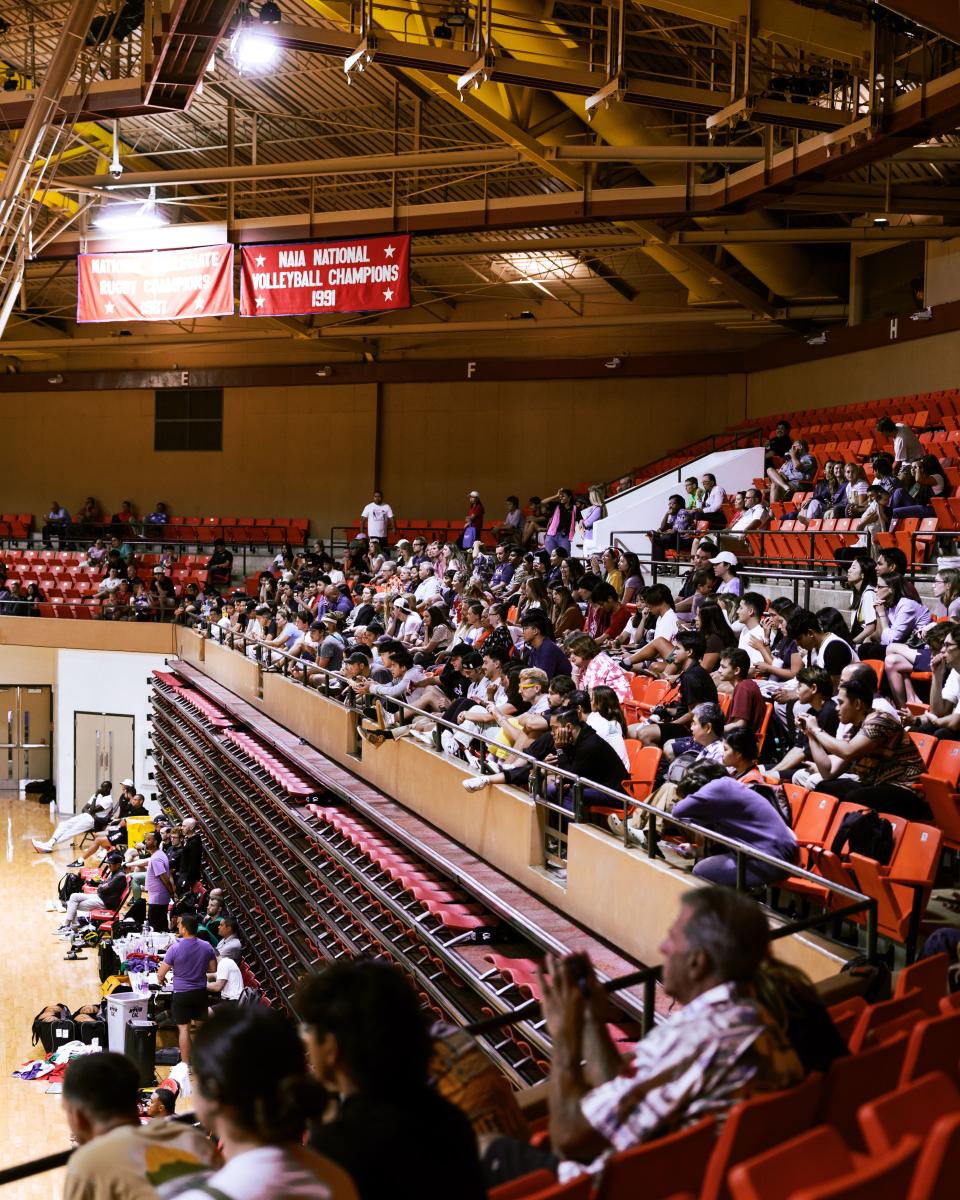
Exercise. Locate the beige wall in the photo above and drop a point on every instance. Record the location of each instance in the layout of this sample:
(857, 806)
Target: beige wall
(310, 451)
(901, 369)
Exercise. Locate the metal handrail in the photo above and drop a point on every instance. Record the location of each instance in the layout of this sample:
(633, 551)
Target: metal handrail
(859, 902)
(733, 440)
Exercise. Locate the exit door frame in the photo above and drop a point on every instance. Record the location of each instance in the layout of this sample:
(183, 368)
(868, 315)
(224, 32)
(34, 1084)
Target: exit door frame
(90, 712)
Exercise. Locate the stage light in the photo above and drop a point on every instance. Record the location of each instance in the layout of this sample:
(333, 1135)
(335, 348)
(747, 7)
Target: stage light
(253, 50)
(270, 13)
(132, 217)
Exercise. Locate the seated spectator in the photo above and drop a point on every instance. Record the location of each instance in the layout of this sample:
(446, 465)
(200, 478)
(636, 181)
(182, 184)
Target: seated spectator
(740, 757)
(604, 597)
(658, 601)
(700, 557)
(117, 1155)
(854, 498)
(95, 815)
(226, 983)
(695, 687)
(906, 446)
(795, 473)
(629, 567)
(878, 751)
(109, 891)
(539, 648)
(592, 667)
(821, 648)
(583, 752)
(710, 798)
(675, 531)
(755, 515)
(747, 706)
(943, 717)
(253, 1093)
(862, 578)
(710, 502)
(815, 694)
(780, 442)
(605, 716)
(725, 568)
(57, 525)
(564, 613)
(159, 516)
(711, 958)
(753, 636)
(898, 617)
(220, 563)
(891, 560)
(513, 521)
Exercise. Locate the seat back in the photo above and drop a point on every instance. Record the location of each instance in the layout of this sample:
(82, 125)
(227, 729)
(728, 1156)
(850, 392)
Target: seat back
(934, 1045)
(754, 1124)
(814, 820)
(526, 1185)
(856, 1079)
(926, 745)
(912, 1108)
(886, 1178)
(660, 1168)
(875, 1016)
(814, 1156)
(929, 978)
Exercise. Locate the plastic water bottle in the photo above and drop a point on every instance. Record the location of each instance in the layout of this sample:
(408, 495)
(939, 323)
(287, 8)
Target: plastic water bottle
(147, 932)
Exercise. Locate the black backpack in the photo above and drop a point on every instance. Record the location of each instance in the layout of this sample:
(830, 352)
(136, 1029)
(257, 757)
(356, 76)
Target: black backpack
(52, 1027)
(865, 833)
(68, 886)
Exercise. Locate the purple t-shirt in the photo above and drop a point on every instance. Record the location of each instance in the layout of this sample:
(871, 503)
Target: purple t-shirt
(158, 865)
(189, 958)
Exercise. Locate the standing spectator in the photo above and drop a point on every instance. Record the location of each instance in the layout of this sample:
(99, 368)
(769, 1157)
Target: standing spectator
(473, 522)
(191, 859)
(377, 520)
(368, 1043)
(160, 886)
(595, 511)
(906, 445)
(563, 521)
(190, 959)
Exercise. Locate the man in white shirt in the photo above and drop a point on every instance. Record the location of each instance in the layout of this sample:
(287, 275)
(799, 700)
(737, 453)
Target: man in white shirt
(750, 610)
(754, 515)
(377, 518)
(97, 809)
(906, 446)
(227, 983)
(429, 586)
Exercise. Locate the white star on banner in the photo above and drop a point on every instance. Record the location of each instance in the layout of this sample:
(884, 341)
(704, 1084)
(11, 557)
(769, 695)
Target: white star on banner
(198, 303)
(388, 251)
(388, 293)
(260, 260)
(108, 307)
(260, 302)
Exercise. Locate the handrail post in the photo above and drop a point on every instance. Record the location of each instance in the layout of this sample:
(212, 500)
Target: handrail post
(872, 931)
(741, 873)
(649, 1005)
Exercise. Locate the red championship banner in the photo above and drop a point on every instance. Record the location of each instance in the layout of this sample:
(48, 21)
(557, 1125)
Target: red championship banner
(155, 285)
(355, 275)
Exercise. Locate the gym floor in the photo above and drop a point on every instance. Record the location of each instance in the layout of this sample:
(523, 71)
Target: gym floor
(32, 974)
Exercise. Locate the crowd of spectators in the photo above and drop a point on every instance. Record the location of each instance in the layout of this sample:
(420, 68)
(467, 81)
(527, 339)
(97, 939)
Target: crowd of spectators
(362, 1099)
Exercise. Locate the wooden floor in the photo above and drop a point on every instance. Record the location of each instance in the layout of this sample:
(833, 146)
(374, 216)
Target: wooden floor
(32, 974)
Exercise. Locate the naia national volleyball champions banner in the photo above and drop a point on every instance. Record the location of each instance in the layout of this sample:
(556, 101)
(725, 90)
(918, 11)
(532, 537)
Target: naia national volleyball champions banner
(155, 285)
(354, 275)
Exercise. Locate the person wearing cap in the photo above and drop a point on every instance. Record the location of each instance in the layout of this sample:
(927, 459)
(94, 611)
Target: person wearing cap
(407, 623)
(473, 522)
(108, 894)
(725, 569)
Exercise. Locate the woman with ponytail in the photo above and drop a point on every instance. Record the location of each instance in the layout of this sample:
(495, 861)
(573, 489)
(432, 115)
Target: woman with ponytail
(253, 1092)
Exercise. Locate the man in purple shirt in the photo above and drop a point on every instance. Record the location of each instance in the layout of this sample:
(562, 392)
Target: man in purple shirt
(160, 886)
(540, 650)
(709, 797)
(189, 959)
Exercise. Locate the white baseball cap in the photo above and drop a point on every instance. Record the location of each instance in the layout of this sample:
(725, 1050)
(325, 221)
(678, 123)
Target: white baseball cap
(725, 556)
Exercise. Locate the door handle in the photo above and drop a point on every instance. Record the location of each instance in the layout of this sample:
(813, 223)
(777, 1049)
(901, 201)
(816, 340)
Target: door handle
(99, 759)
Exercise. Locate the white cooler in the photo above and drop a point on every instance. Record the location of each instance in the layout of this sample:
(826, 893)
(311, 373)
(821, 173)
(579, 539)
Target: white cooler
(121, 1010)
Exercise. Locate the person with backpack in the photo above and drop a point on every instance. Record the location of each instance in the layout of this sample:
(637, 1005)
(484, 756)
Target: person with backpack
(109, 893)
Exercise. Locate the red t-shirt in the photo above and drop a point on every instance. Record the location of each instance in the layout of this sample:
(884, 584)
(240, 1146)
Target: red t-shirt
(747, 705)
(618, 622)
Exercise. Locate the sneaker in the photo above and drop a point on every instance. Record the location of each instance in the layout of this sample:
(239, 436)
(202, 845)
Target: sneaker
(450, 744)
(77, 862)
(41, 847)
(474, 783)
(615, 824)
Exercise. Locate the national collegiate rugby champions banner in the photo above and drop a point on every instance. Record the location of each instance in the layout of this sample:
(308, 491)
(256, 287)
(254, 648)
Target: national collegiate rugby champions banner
(293, 279)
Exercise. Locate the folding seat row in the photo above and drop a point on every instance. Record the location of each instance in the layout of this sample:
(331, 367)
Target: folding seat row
(213, 712)
(292, 781)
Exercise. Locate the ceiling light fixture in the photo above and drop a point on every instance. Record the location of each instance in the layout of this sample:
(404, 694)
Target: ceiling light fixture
(116, 166)
(361, 57)
(253, 48)
(270, 13)
(132, 217)
(881, 222)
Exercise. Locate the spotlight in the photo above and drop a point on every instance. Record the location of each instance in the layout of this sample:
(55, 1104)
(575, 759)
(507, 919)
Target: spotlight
(270, 13)
(253, 50)
(11, 83)
(880, 223)
(131, 217)
(443, 32)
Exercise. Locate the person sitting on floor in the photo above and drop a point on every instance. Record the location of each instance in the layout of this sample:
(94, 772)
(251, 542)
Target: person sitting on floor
(718, 1048)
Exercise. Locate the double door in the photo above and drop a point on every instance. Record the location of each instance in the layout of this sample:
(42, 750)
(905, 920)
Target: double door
(103, 749)
(26, 734)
